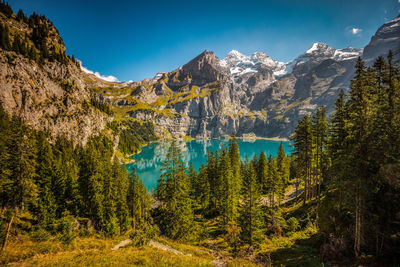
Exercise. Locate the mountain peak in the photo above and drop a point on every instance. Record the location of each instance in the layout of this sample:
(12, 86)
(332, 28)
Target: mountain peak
(386, 38)
(204, 68)
(235, 53)
(317, 47)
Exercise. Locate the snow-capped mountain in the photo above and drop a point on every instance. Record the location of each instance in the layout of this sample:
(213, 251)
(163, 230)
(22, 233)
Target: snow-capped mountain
(239, 64)
(386, 38)
(252, 95)
(318, 53)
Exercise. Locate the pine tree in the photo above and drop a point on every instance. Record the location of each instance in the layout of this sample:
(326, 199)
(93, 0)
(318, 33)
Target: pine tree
(22, 165)
(262, 172)
(251, 222)
(46, 173)
(203, 189)
(320, 133)
(139, 202)
(173, 190)
(337, 146)
(191, 172)
(213, 180)
(5, 37)
(303, 141)
(228, 199)
(358, 108)
(21, 16)
(283, 170)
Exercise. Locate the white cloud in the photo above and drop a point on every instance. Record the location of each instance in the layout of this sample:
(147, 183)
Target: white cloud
(108, 78)
(355, 31)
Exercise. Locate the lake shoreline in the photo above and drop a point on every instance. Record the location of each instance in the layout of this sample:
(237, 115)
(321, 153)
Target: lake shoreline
(148, 163)
(185, 139)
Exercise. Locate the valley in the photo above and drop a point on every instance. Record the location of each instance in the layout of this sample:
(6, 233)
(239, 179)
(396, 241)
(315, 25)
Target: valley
(236, 161)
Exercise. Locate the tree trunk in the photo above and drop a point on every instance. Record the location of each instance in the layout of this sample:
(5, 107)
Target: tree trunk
(357, 236)
(7, 233)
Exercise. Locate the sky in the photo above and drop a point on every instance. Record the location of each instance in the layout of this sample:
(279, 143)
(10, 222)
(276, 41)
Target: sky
(133, 40)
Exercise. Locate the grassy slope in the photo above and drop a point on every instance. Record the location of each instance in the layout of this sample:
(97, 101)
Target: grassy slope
(290, 249)
(97, 252)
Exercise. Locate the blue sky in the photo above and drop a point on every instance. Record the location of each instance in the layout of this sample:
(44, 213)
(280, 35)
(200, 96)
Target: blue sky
(133, 40)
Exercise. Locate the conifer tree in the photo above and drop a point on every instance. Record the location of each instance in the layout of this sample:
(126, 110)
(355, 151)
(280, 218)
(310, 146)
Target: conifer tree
(303, 141)
(173, 190)
(262, 172)
(46, 173)
(251, 222)
(192, 175)
(282, 169)
(337, 146)
(358, 107)
(320, 132)
(139, 202)
(203, 188)
(22, 165)
(228, 203)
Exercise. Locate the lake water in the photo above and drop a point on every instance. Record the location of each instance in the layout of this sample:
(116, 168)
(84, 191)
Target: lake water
(148, 162)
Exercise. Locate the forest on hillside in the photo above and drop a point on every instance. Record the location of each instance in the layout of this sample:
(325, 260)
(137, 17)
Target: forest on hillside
(345, 170)
(335, 200)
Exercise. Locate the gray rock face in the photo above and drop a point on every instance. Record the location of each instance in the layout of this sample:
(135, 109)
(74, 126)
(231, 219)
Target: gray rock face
(386, 38)
(49, 98)
(207, 97)
(204, 69)
(258, 95)
(247, 95)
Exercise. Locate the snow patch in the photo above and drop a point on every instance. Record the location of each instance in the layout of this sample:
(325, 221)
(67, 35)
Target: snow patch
(108, 78)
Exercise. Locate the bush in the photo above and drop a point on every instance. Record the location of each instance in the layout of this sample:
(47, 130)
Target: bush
(40, 235)
(66, 226)
(67, 238)
(141, 237)
(292, 224)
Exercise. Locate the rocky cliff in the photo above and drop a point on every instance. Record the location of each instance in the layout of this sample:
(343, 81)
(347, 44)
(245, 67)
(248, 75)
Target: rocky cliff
(207, 97)
(41, 84)
(240, 94)
(244, 95)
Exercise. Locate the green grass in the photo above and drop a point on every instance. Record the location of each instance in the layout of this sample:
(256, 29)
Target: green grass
(95, 251)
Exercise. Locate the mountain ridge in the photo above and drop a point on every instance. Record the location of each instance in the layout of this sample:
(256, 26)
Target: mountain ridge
(207, 97)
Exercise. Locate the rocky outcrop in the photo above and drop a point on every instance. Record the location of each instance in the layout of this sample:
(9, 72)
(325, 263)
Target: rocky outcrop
(207, 97)
(254, 95)
(43, 86)
(204, 68)
(52, 97)
(386, 38)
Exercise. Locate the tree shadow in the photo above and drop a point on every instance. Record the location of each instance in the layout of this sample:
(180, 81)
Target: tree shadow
(303, 252)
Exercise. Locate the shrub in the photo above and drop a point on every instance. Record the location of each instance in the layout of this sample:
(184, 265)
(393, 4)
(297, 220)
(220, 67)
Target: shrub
(40, 234)
(292, 224)
(66, 226)
(141, 237)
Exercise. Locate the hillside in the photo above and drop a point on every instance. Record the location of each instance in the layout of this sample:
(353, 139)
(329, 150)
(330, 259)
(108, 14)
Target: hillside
(205, 98)
(245, 95)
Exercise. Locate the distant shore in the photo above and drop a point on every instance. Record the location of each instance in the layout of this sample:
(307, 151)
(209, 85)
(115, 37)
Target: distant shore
(266, 138)
(189, 139)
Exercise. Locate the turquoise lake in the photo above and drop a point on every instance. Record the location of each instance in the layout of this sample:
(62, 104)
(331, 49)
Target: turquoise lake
(148, 162)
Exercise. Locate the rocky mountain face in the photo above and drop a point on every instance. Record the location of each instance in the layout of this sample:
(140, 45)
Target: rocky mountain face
(245, 95)
(46, 88)
(386, 38)
(207, 97)
(51, 97)
(248, 95)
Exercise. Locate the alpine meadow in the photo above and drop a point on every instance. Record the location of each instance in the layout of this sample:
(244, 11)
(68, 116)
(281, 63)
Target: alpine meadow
(239, 161)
